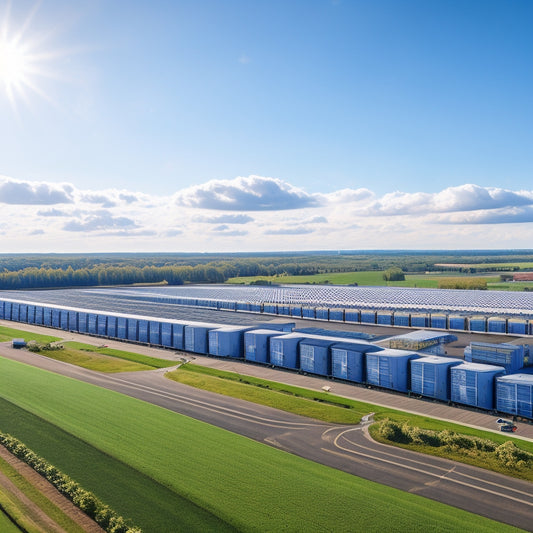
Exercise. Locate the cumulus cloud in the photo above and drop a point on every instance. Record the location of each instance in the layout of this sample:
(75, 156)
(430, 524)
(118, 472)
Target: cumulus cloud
(101, 221)
(253, 193)
(101, 199)
(466, 197)
(128, 198)
(232, 233)
(33, 193)
(345, 196)
(226, 219)
(53, 213)
(518, 215)
(289, 231)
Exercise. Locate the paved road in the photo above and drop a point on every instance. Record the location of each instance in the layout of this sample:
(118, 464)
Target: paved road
(347, 448)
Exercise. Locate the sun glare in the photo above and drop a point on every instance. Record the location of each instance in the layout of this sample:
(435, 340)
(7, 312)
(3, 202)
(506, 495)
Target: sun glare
(14, 66)
(22, 58)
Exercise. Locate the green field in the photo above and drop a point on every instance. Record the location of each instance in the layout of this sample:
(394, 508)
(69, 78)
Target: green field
(168, 472)
(364, 278)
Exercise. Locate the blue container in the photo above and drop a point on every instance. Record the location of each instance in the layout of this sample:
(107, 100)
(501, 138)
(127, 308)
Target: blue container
(132, 331)
(401, 319)
(166, 334)
(112, 326)
(430, 376)
(284, 350)
(143, 330)
(31, 314)
(473, 384)
(384, 318)
(368, 317)
(336, 314)
(15, 311)
(122, 327)
(92, 323)
(352, 315)
(101, 326)
(497, 325)
(271, 309)
(438, 321)
(23, 313)
(322, 313)
(56, 318)
(308, 312)
(419, 320)
(296, 310)
(227, 341)
(154, 329)
(47, 316)
(284, 310)
(257, 344)
(73, 321)
(477, 323)
(514, 394)
(82, 322)
(196, 337)
(39, 312)
(517, 326)
(510, 356)
(64, 319)
(255, 308)
(243, 306)
(2, 312)
(314, 356)
(457, 322)
(7, 310)
(178, 336)
(347, 362)
(389, 369)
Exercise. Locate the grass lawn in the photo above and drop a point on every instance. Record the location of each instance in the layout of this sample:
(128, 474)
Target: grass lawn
(235, 482)
(6, 526)
(7, 334)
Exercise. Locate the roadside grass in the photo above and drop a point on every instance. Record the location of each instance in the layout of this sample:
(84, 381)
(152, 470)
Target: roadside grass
(239, 483)
(344, 410)
(7, 334)
(465, 455)
(145, 360)
(93, 361)
(17, 509)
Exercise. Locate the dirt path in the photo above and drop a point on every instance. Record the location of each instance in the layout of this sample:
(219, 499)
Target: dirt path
(40, 520)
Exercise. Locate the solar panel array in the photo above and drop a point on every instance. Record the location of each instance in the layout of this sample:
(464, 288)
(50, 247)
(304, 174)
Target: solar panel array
(393, 298)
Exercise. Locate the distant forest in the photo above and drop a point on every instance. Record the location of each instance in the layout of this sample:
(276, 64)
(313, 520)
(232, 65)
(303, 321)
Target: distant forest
(32, 271)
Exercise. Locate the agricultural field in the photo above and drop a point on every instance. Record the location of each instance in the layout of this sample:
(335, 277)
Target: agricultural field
(370, 278)
(167, 472)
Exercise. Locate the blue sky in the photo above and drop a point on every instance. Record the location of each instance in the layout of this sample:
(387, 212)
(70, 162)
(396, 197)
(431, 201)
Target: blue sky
(265, 125)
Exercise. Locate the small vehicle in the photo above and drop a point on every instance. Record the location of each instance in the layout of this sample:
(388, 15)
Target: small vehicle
(508, 428)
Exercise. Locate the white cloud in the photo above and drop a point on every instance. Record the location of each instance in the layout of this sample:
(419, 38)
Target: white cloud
(284, 218)
(254, 193)
(33, 193)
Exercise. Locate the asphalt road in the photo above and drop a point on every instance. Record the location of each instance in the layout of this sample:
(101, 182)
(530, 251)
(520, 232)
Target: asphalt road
(346, 448)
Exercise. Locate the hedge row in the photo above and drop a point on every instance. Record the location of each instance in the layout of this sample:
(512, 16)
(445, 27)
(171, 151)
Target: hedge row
(507, 454)
(101, 513)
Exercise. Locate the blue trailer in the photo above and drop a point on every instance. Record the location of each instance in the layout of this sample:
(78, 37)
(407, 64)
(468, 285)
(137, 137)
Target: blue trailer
(473, 384)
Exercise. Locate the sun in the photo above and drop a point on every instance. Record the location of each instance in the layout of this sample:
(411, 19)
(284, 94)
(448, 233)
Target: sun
(24, 59)
(15, 67)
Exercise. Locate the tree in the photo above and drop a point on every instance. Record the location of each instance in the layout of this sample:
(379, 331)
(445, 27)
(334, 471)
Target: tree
(394, 274)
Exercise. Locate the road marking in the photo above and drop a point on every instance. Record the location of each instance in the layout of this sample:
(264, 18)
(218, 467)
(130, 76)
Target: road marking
(421, 471)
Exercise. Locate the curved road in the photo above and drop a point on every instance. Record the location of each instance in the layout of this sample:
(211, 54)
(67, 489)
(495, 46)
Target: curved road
(347, 448)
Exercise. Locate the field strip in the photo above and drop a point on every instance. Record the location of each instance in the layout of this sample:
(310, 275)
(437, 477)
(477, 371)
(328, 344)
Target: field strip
(209, 407)
(431, 474)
